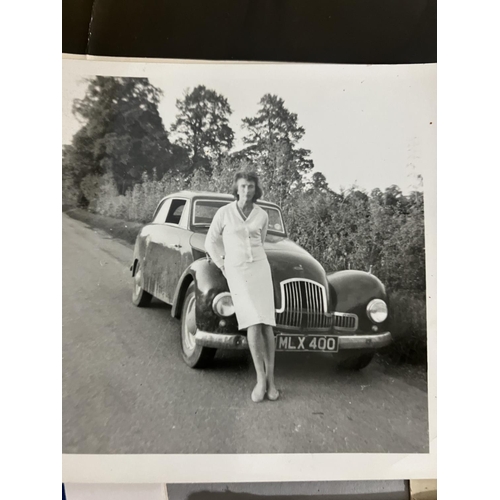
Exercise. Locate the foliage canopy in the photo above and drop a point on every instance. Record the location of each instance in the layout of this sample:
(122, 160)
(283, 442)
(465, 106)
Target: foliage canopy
(202, 127)
(122, 134)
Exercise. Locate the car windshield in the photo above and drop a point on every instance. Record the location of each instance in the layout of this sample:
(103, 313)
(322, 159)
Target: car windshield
(275, 220)
(204, 211)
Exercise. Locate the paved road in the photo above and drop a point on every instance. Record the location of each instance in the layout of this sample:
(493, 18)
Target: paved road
(127, 390)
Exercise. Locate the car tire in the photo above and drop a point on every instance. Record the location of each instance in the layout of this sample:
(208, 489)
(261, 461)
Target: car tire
(195, 356)
(356, 363)
(140, 297)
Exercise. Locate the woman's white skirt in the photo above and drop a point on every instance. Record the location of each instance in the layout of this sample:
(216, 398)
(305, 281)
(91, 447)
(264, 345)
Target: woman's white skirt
(251, 287)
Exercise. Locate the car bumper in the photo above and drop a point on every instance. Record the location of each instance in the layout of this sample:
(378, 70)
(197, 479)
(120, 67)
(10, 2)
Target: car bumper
(240, 342)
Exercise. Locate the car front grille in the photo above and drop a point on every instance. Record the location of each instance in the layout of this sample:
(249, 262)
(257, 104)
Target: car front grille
(304, 306)
(346, 322)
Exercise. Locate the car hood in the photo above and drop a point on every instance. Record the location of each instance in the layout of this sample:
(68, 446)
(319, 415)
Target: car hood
(287, 259)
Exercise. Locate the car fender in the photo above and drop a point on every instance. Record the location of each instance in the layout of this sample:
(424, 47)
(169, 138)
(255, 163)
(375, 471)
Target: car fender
(351, 291)
(141, 242)
(209, 282)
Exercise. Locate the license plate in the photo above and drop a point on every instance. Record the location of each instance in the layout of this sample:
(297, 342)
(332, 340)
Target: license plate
(306, 343)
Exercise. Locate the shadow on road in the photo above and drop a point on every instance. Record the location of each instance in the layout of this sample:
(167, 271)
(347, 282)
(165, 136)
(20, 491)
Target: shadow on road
(294, 367)
(159, 304)
(231, 362)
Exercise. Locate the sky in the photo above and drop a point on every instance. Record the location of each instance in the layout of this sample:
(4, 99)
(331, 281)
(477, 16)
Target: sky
(370, 126)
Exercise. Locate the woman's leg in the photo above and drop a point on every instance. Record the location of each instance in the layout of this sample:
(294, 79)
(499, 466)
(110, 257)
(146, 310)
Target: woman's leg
(258, 351)
(272, 392)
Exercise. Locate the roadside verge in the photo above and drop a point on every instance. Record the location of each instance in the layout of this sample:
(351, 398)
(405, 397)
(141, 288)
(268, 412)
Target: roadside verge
(118, 228)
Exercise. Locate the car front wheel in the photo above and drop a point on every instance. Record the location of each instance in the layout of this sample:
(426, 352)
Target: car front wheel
(140, 297)
(356, 363)
(194, 355)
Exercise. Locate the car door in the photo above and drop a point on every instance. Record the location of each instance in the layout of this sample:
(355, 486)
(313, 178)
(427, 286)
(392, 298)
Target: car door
(166, 247)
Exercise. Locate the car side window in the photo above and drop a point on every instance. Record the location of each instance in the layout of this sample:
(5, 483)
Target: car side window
(175, 213)
(161, 212)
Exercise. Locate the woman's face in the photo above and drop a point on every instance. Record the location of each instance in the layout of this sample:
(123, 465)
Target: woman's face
(246, 190)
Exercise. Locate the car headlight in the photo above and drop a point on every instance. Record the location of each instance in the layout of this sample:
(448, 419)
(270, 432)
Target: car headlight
(223, 304)
(377, 310)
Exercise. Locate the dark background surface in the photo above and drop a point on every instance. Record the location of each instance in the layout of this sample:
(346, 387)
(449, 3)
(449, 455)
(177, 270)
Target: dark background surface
(313, 490)
(328, 31)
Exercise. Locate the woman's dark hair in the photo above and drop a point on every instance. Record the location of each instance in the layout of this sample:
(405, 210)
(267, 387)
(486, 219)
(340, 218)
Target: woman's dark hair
(248, 176)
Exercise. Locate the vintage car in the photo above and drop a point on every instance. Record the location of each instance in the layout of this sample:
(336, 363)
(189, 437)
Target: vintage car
(344, 312)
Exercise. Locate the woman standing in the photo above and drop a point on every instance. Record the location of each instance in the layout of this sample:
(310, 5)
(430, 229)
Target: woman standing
(235, 243)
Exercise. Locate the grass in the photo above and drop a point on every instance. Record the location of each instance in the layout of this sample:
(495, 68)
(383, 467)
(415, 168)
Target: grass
(118, 228)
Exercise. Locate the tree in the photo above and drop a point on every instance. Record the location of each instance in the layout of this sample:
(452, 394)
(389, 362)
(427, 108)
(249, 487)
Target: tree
(223, 172)
(272, 138)
(202, 127)
(394, 200)
(319, 183)
(122, 133)
(76, 165)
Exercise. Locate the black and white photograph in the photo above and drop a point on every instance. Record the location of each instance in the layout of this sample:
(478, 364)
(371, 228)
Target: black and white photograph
(248, 258)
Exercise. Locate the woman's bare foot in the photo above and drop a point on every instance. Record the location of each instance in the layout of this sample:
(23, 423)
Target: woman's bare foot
(273, 394)
(258, 393)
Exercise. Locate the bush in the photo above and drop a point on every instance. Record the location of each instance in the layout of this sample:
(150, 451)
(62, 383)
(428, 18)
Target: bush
(90, 186)
(137, 204)
(408, 328)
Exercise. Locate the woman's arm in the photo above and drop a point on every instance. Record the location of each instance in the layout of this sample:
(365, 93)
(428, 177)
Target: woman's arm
(213, 243)
(263, 231)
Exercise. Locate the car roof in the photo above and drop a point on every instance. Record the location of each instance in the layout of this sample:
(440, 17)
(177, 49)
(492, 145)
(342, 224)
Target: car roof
(192, 195)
